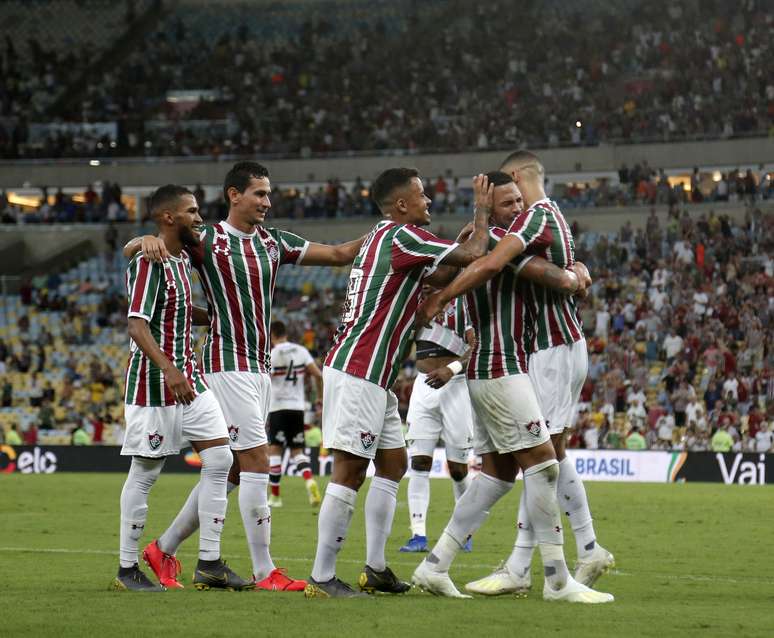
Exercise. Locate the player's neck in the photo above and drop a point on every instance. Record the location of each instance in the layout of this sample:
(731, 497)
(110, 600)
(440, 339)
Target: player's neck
(173, 244)
(241, 225)
(532, 193)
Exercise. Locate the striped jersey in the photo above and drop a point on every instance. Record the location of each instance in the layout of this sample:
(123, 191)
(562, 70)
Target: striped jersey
(382, 297)
(545, 233)
(160, 294)
(448, 329)
(238, 273)
(499, 317)
(288, 369)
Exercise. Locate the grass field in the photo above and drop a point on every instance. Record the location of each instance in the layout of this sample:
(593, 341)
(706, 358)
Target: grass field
(691, 560)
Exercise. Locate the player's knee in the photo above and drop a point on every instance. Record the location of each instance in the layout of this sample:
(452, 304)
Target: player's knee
(217, 459)
(144, 472)
(421, 463)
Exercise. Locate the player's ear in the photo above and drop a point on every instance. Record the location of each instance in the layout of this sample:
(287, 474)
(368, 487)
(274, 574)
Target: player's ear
(233, 194)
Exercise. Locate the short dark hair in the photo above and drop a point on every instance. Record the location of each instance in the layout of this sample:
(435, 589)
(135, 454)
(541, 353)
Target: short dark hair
(389, 181)
(278, 329)
(240, 175)
(498, 178)
(164, 196)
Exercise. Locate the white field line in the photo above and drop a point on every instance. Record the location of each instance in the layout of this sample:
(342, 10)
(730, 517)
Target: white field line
(463, 567)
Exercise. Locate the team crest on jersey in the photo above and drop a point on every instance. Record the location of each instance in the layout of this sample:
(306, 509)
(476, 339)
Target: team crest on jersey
(367, 440)
(272, 249)
(233, 433)
(533, 427)
(155, 440)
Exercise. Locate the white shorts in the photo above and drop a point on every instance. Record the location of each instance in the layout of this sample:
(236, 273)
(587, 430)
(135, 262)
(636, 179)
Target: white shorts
(558, 374)
(507, 415)
(442, 413)
(162, 431)
(245, 399)
(358, 416)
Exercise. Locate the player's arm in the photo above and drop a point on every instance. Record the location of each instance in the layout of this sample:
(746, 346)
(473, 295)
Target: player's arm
(543, 272)
(440, 377)
(475, 246)
(140, 333)
(200, 316)
(151, 246)
(329, 255)
(314, 372)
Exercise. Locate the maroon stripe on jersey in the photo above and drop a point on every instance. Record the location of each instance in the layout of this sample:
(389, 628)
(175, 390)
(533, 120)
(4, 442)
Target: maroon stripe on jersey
(498, 366)
(562, 223)
(255, 279)
(406, 318)
(189, 354)
(143, 275)
(142, 396)
(519, 321)
(232, 299)
(214, 331)
(168, 325)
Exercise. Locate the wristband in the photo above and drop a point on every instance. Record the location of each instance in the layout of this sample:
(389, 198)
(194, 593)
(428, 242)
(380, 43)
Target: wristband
(455, 367)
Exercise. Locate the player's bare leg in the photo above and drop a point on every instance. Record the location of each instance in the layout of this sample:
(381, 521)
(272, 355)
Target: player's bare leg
(275, 474)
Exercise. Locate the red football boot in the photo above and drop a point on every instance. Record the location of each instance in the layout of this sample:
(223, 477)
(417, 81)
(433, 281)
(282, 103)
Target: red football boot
(166, 567)
(278, 580)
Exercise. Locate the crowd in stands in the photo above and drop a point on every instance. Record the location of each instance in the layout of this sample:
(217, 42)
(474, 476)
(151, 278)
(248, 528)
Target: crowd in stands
(678, 326)
(640, 185)
(412, 76)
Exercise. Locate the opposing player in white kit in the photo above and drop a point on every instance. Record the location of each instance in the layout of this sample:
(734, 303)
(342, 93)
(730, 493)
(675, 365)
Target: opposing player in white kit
(510, 432)
(290, 363)
(439, 409)
(167, 402)
(237, 262)
(360, 412)
(557, 367)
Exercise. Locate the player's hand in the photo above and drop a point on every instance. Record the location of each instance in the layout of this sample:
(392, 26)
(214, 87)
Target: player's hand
(153, 248)
(467, 231)
(428, 309)
(178, 385)
(584, 279)
(439, 378)
(483, 194)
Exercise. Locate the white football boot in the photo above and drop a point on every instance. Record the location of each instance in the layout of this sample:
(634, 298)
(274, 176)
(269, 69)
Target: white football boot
(437, 583)
(587, 571)
(501, 581)
(574, 592)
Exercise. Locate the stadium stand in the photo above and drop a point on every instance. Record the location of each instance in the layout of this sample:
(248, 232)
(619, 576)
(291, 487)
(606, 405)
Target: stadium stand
(196, 84)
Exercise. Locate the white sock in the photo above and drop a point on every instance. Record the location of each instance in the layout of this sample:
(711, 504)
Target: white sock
(143, 473)
(212, 501)
(186, 522)
(256, 517)
(379, 511)
(459, 487)
(543, 510)
(418, 501)
(520, 560)
(469, 514)
(336, 511)
(572, 496)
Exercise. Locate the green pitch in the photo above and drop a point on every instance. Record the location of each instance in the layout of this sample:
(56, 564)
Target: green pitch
(691, 560)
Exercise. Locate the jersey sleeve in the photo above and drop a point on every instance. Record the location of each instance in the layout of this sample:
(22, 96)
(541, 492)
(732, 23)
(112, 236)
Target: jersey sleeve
(531, 228)
(196, 253)
(495, 235)
(142, 285)
(292, 247)
(413, 246)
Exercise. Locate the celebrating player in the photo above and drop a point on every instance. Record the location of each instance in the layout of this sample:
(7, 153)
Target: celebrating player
(290, 362)
(439, 408)
(167, 400)
(557, 368)
(360, 412)
(510, 432)
(237, 262)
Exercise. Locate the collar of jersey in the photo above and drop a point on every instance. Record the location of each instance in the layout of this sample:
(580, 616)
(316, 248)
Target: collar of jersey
(235, 231)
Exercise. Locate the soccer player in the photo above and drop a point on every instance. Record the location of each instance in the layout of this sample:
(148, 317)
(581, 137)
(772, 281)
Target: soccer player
(360, 412)
(557, 367)
(290, 362)
(237, 262)
(510, 432)
(167, 400)
(439, 408)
